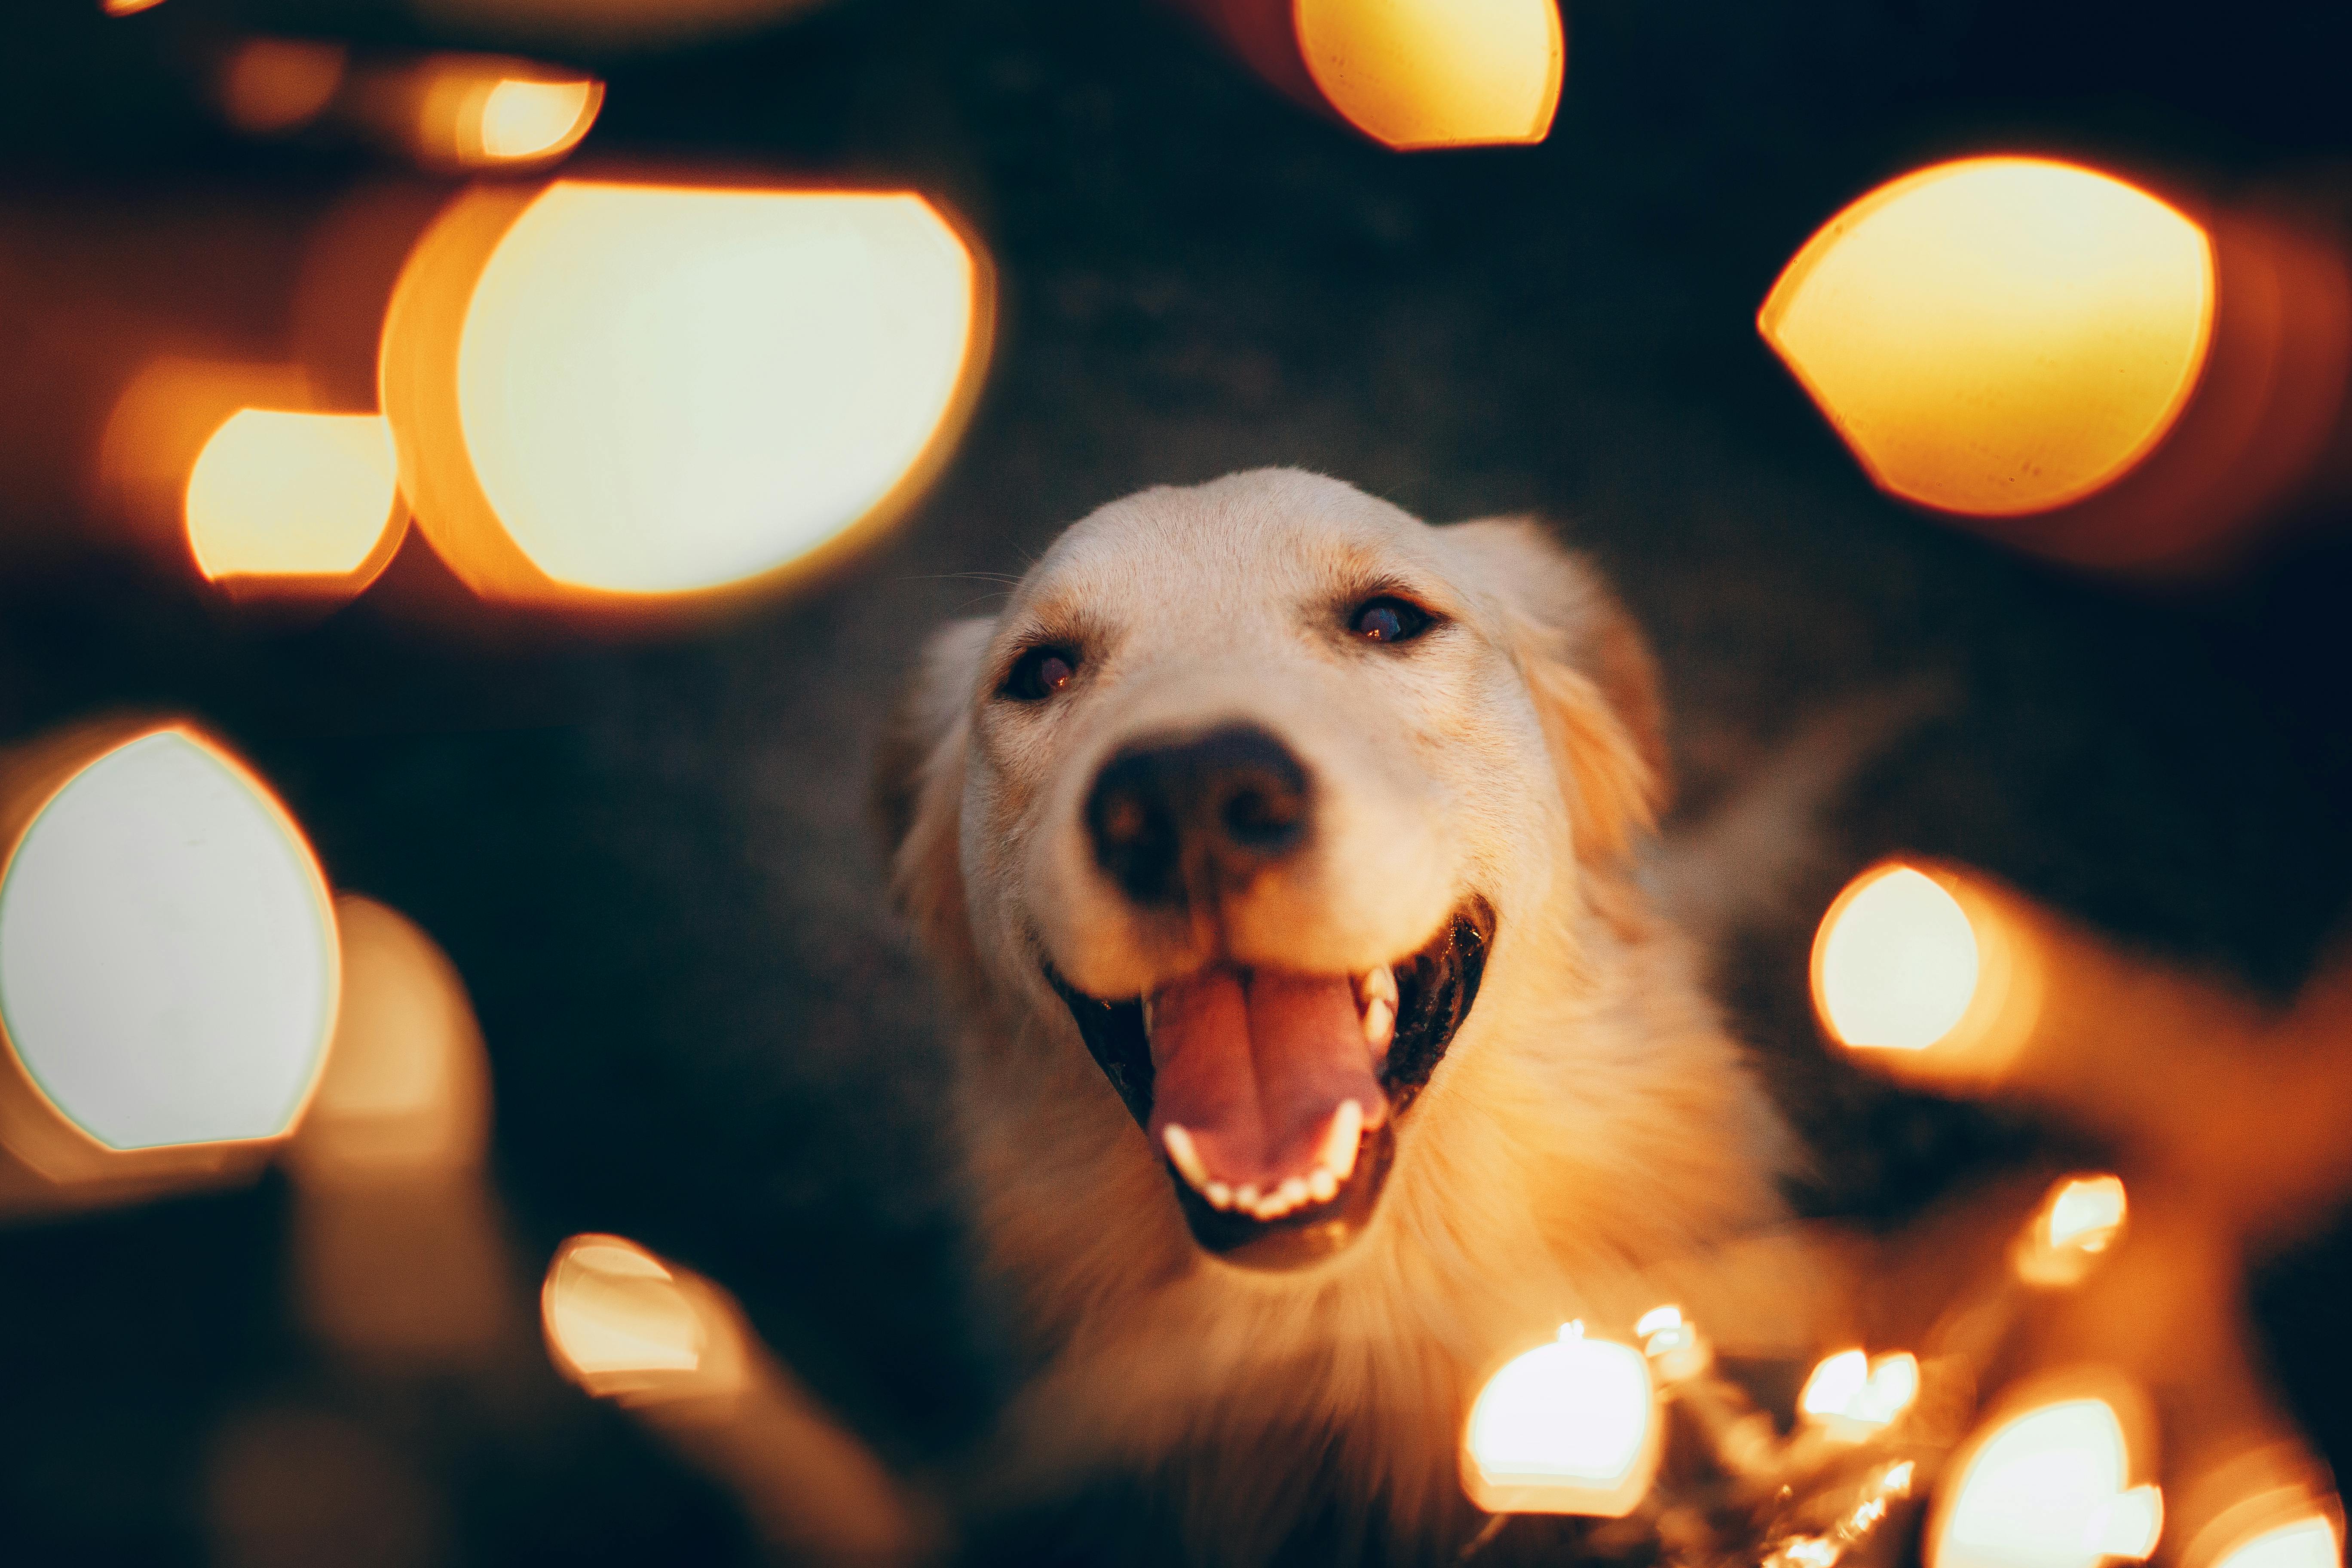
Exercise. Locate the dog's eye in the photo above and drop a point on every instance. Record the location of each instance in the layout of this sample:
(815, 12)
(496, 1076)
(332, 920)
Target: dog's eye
(1387, 619)
(1040, 673)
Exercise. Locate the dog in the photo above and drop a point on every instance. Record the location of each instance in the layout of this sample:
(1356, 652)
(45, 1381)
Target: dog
(1319, 1045)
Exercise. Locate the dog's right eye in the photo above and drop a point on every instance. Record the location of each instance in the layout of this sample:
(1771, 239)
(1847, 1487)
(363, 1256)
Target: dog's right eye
(1039, 673)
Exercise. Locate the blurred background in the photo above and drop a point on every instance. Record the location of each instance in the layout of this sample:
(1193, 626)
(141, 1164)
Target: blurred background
(643, 850)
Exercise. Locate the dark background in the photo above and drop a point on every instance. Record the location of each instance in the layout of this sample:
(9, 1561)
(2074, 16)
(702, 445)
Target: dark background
(648, 857)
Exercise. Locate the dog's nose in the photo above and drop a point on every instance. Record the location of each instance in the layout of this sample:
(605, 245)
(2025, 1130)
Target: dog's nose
(1226, 804)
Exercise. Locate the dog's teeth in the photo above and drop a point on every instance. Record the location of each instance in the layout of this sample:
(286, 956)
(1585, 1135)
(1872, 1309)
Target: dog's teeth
(1245, 1196)
(1338, 1154)
(1219, 1195)
(1323, 1184)
(1292, 1193)
(1376, 994)
(1146, 1018)
(1184, 1156)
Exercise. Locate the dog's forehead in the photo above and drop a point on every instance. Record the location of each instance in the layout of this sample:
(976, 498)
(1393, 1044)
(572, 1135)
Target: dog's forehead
(1264, 536)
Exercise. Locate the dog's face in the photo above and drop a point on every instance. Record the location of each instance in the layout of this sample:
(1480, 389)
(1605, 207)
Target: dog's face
(1238, 794)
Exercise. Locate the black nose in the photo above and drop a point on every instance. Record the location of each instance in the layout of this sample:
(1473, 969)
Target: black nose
(1222, 806)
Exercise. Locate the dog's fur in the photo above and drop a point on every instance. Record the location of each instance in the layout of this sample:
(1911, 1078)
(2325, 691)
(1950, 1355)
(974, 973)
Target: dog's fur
(1591, 1121)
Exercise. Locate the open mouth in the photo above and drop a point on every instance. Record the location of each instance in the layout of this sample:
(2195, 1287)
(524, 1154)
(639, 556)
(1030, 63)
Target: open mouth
(1273, 1098)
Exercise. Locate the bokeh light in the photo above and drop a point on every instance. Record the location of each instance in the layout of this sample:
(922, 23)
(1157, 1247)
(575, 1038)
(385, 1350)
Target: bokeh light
(168, 961)
(1851, 1396)
(522, 119)
(613, 1314)
(276, 492)
(406, 1088)
(480, 111)
(270, 86)
(2080, 1221)
(2305, 1544)
(1568, 1427)
(1997, 336)
(604, 392)
(2047, 1489)
(1436, 73)
(1896, 964)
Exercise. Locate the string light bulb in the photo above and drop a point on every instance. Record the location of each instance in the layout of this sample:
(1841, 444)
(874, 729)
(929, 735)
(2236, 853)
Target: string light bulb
(1567, 1427)
(2081, 1219)
(2049, 1488)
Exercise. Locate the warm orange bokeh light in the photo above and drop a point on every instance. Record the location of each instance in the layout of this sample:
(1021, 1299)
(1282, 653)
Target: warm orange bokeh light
(618, 1319)
(479, 112)
(281, 493)
(2080, 1221)
(1851, 1396)
(1568, 1427)
(1896, 964)
(528, 119)
(127, 8)
(407, 1087)
(604, 393)
(274, 85)
(1436, 73)
(1998, 336)
(2307, 1542)
(169, 970)
(2047, 1489)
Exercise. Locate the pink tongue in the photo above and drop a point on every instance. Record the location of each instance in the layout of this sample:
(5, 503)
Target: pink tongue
(1255, 1069)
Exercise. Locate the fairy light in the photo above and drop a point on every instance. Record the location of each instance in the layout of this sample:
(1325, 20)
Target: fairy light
(2047, 1489)
(1567, 1427)
(605, 393)
(168, 966)
(2078, 1222)
(1897, 963)
(1998, 336)
(281, 493)
(1852, 1396)
(1436, 73)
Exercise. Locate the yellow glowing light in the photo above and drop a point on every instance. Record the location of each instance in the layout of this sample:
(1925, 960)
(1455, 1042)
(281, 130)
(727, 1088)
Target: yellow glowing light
(1568, 1427)
(1897, 963)
(612, 1311)
(1437, 73)
(1997, 336)
(168, 964)
(1851, 1396)
(1835, 1383)
(2049, 1488)
(275, 494)
(635, 390)
(2306, 1543)
(404, 1089)
(1657, 1320)
(272, 85)
(484, 112)
(522, 119)
(127, 8)
(2081, 1219)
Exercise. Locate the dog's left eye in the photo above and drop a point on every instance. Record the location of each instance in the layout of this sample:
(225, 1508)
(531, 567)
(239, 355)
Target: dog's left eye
(1388, 619)
(1040, 673)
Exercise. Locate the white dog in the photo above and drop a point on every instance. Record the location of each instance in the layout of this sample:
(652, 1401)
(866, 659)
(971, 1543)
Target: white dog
(1318, 1047)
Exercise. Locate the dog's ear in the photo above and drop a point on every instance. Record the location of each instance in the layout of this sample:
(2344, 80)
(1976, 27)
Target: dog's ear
(916, 791)
(1593, 676)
